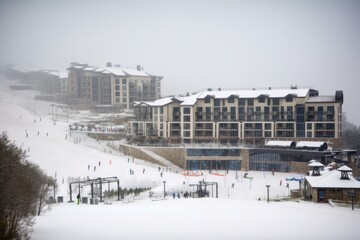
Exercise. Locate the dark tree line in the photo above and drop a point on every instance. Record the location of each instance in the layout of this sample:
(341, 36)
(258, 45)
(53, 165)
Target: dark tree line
(351, 136)
(24, 191)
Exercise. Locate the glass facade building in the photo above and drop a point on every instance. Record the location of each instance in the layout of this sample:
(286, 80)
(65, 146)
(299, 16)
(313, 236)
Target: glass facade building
(280, 160)
(213, 159)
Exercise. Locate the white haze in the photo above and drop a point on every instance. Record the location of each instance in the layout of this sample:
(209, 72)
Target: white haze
(195, 44)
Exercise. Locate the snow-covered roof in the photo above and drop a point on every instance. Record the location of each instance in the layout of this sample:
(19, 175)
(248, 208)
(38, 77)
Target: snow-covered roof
(316, 164)
(156, 103)
(344, 169)
(274, 143)
(312, 144)
(190, 100)
(116, 71)
(272, 93)
(89, 68)
(63, 74)
(134, 72)
(332, 180)
(318, 99)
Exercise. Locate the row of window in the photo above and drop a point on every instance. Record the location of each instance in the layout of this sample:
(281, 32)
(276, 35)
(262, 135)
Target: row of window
(247, 101)
(213, 165)
(213, 152)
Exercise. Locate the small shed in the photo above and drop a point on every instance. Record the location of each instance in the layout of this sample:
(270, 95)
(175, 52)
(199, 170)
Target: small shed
(336, 184)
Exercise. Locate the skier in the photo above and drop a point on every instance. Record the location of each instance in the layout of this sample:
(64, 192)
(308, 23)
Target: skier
(78, 199)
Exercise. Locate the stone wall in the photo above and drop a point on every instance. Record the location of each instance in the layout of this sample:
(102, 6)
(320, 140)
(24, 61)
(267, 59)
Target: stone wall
(299, 167)
(245, 161)
(175, 155)
(137, 153)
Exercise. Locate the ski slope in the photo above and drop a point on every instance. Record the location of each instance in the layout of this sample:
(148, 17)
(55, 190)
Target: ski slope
(241, 212)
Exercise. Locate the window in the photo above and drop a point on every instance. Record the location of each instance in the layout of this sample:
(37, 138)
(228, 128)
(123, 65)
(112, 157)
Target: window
(117, 81)
(216, 102)
(123, 81)
(231, 100)
(320, 113)
(249, 110)
(261, 99)
(250, 102)
(330, 110)
(289, 110)
(267, 113)
(186, 118)
(186, 110)
(241, 102)
(289, 98)
(207, 100)
(276, 101)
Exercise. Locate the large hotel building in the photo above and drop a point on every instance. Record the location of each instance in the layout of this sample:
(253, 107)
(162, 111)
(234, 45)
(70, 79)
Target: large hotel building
(271, 129)
(237, 117)
(113, 86)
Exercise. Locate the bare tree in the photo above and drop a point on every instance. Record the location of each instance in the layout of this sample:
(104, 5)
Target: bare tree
(20, 188)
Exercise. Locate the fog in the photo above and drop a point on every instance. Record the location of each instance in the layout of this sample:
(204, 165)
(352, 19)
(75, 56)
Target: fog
(195, 44)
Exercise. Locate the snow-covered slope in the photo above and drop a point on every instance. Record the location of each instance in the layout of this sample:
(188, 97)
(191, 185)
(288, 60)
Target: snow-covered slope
(237, 214)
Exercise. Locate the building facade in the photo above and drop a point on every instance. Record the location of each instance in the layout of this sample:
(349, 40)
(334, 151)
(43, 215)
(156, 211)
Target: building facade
(236, 117)
(115, 86)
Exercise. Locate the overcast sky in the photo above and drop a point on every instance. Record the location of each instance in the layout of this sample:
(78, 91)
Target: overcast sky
(195, 44)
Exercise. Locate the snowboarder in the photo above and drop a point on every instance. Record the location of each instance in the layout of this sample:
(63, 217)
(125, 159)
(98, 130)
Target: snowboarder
(143, 170)
(280, 182)
(173, 195)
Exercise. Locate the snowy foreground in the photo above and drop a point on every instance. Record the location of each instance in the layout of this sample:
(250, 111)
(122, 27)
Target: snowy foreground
(240, 212)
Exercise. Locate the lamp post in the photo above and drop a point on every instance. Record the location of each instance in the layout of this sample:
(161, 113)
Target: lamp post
(268, 186)
(352, 194)
(164, 189)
